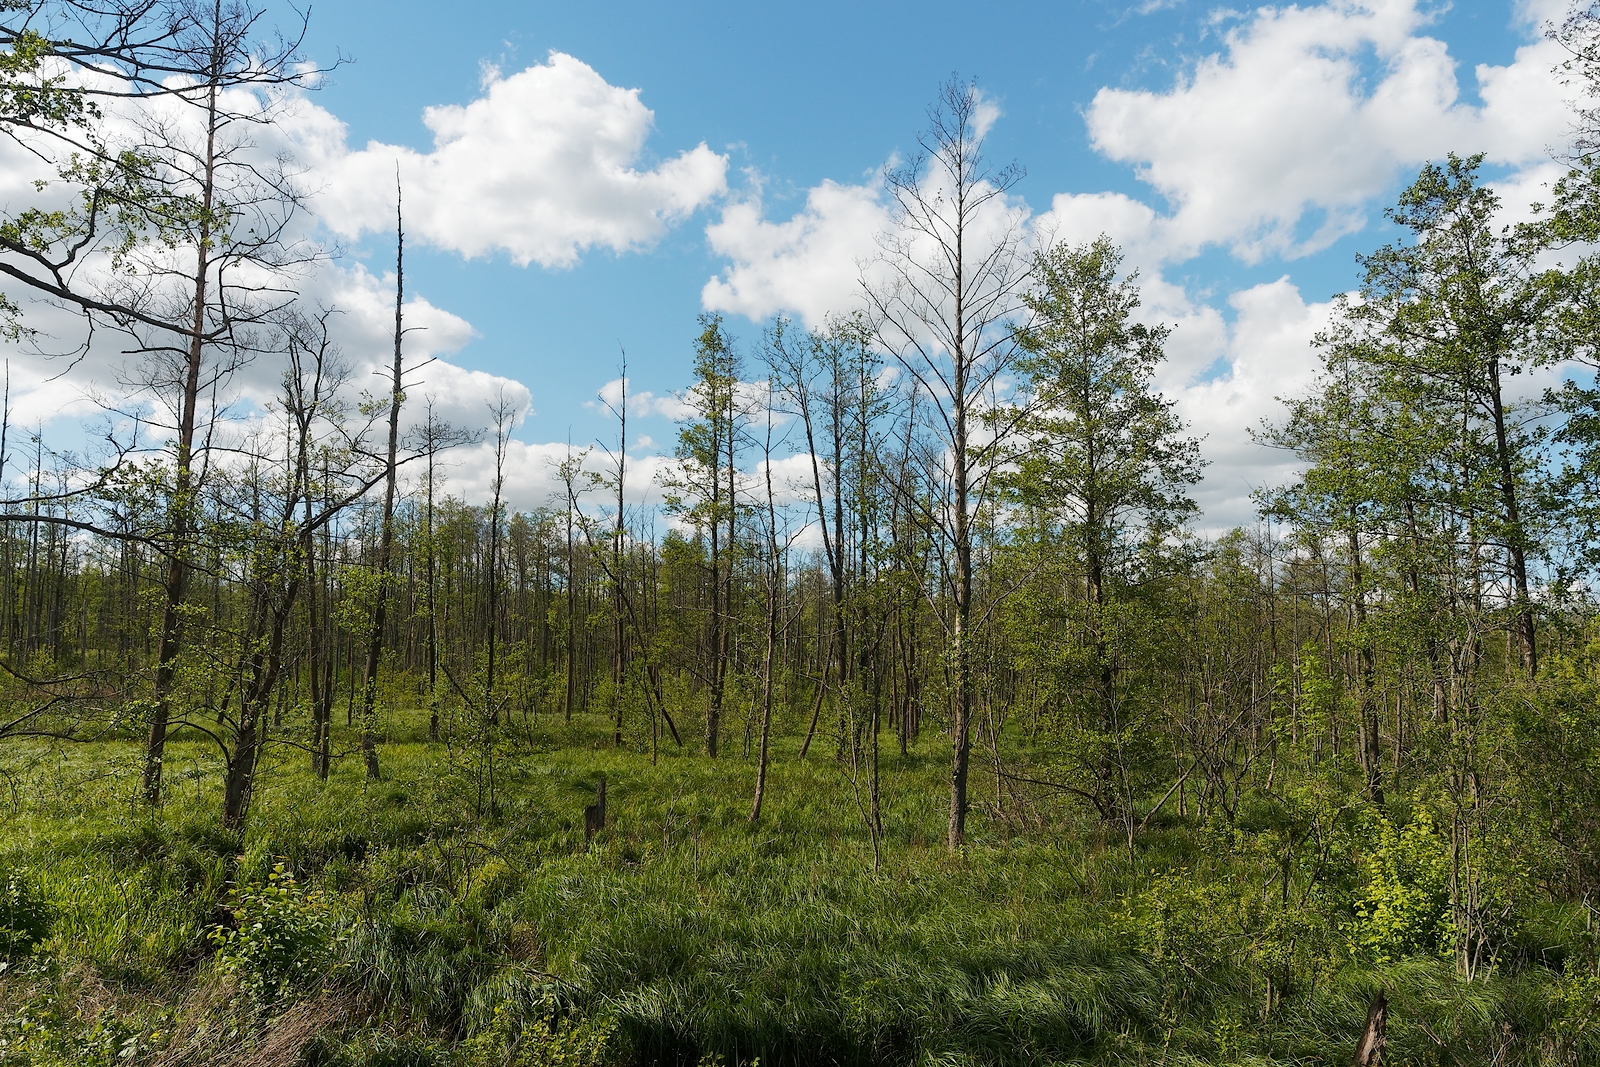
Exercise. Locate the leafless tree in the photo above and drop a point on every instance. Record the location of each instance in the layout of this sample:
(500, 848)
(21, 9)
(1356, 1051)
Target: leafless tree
(952, 269)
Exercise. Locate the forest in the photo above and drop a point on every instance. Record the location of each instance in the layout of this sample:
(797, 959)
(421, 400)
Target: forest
(912, 718)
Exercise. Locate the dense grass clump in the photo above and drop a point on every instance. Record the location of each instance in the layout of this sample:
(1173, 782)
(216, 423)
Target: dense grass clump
(434, 918)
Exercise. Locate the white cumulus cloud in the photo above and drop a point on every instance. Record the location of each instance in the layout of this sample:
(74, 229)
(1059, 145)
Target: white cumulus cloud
(1269, 358)
(1285, 125)
(545, 164)
(810, 265)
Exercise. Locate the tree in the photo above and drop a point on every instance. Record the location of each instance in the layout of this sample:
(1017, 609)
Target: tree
(62, 64)
(704, 492)
(575, 480)
(1362, 477)
(1457, 311)
(1424, 470)
(176, 234)
(953, 265)
(433, 436)
(380, 606)
(504, 415)
(265, 526)
(1100, 468)
(775, 578)
(615, 567)
(200, 186)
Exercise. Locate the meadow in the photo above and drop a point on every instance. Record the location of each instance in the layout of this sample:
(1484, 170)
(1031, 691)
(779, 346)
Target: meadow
(450, 915)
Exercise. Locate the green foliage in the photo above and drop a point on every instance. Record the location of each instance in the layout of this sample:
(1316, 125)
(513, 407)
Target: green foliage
(513, 1040)
(282, 940)
(25, 916)
(691, 937)
(1574, 1035)
(49, 1033)
(377, 1049)
(51, 1018)
(1403, 906)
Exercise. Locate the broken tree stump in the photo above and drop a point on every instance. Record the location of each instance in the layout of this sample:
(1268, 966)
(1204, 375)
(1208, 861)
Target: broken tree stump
(594, 816)
(1369, 1053)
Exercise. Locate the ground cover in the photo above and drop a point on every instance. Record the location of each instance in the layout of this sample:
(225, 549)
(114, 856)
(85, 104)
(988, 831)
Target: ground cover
(447, 914)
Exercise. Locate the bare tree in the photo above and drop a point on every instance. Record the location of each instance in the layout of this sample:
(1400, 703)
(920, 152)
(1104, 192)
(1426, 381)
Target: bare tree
(369, 690)
(953, 267)
(504, 414)
(616, 574)
(775, 576)
(575, 480)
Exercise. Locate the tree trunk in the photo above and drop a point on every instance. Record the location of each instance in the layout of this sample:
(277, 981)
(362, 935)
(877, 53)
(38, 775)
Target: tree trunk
(177, 581)
(1371, 757)
(369, 690)
(1523, 625)
(1369, 1050)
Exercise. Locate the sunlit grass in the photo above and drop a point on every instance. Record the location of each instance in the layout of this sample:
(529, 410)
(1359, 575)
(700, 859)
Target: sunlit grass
(698, 933)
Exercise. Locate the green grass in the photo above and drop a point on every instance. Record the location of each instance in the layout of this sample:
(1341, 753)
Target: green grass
(458, 926)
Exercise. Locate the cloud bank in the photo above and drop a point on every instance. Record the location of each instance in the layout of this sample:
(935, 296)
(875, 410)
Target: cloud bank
(1272, 147)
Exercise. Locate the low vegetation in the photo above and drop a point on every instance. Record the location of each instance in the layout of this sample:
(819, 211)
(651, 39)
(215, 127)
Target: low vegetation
(406, 922)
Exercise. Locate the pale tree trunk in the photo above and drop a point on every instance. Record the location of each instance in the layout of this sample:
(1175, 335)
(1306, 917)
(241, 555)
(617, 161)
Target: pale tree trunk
(433, 598)
(618, 573)
(775, 589)
(945, 315)
(716, 641)
(572, 594)
(961, 725)
(1371, 757)
(503, 415)
(380, 607)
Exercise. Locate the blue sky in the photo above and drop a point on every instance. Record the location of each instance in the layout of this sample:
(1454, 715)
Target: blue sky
(1242, 155)
(799, 98)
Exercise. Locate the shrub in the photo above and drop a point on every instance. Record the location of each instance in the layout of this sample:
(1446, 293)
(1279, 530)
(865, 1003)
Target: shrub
(516, 1041)
(25, 917)
(1403, 909)
(282, 942)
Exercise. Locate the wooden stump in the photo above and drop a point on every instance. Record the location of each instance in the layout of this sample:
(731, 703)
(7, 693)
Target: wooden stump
(594, 816)
(1369, 1053)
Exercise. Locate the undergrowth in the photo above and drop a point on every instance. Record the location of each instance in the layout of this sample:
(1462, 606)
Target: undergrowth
(414, 921)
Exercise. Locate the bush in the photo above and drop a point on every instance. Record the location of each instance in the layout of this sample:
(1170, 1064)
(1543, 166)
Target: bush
(516, 1041)
(282, 942)
(1404, 907)
(25, 917)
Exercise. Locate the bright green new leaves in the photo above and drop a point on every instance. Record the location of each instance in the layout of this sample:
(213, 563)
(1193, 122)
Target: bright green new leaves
(35, 94)
(698, 493)
(1098, 478)
(282, 943)
(1100, 454)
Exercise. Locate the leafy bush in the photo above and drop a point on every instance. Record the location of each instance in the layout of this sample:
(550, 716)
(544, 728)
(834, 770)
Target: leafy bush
(282, 942)
(513, 1040)
(47, 1028)
(1403, 909)
(25, 917)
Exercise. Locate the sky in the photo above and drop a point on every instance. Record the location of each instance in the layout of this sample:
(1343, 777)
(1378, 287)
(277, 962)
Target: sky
(584, 180)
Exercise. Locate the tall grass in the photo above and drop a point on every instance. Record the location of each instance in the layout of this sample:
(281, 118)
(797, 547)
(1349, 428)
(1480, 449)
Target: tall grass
(698, 937)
